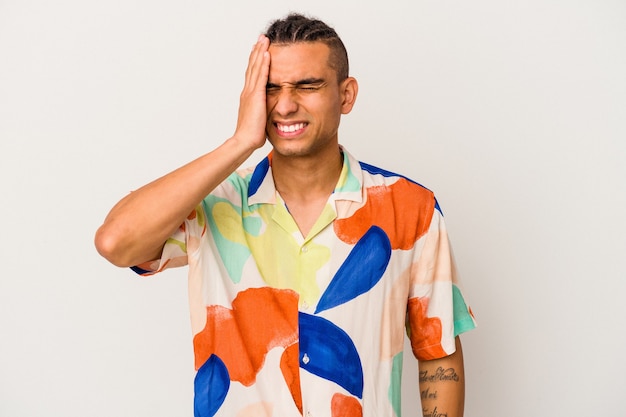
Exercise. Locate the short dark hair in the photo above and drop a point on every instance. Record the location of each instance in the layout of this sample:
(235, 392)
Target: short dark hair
(296, 28)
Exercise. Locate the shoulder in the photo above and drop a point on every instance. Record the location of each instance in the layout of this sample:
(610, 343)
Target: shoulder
(396, 183)
(398, 205)
(245, 186)
(369, 175)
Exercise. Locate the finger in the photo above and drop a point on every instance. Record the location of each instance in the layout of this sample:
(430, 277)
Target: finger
(256, 60)
(262, 71)
(251, 59)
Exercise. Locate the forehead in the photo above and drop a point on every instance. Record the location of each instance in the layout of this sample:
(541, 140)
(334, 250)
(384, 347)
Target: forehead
(299, 61)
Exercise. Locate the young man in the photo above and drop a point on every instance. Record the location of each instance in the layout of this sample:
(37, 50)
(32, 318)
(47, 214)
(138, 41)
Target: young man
(303, 270)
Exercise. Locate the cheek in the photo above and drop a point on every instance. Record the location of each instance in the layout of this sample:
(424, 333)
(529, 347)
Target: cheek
(328, 105)
(333, 111)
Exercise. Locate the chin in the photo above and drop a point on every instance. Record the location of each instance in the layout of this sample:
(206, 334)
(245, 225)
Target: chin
(289, 147)
(290, 152)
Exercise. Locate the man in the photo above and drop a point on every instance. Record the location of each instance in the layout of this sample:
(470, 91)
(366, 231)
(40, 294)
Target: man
(303, 270)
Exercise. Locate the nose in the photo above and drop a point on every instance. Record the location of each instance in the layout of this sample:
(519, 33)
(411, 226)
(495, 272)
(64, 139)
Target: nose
(284, 102)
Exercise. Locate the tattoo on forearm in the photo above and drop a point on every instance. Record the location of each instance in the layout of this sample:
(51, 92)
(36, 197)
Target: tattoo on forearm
(440, 375)
(435, 413)
(427, 395)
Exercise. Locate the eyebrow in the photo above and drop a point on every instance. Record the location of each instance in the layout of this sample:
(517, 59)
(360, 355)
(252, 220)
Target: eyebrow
(306, 81)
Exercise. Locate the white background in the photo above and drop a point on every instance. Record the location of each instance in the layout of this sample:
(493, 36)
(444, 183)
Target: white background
(514, 113)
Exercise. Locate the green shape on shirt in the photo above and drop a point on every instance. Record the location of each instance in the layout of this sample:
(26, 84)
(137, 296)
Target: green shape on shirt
(395, 390)
(347, 181)
(230, 233)
(463, 321)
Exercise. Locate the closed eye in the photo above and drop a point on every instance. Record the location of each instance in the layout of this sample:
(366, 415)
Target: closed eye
(307, 86)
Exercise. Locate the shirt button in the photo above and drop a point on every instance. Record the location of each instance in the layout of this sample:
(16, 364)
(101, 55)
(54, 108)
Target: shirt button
(305, 359)
(305, 305)
(304, 249)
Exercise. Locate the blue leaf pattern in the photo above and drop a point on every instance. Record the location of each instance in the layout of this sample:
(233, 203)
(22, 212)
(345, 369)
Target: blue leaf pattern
(210, 386)
(328, 352)
(362, 269)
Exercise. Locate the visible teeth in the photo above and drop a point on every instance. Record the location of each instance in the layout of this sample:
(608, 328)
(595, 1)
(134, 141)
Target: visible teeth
(290, 128)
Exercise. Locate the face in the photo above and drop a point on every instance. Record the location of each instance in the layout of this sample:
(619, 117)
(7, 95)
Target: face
(304, 100)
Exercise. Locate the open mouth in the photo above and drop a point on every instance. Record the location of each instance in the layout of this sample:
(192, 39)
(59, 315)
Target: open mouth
(290, 128)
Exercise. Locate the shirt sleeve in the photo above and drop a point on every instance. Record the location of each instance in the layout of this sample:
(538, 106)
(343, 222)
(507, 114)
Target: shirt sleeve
(437, 311)
(178, 245)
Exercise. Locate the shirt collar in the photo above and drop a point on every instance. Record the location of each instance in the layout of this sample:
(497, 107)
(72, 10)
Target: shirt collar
(349, 186)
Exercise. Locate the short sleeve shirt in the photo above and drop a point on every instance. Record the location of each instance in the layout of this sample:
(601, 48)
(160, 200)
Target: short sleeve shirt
(290, 325)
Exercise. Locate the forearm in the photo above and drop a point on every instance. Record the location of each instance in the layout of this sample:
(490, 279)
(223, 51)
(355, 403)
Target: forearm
(442, 385)
(137, 227)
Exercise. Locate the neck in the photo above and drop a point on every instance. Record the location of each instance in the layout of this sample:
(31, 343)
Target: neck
(305, 178)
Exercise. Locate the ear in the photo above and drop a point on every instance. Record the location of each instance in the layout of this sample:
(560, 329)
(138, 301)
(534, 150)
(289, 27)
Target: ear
(349, 89)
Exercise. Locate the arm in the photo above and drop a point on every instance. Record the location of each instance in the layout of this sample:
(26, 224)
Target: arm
(137, 227)
(442, 385)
